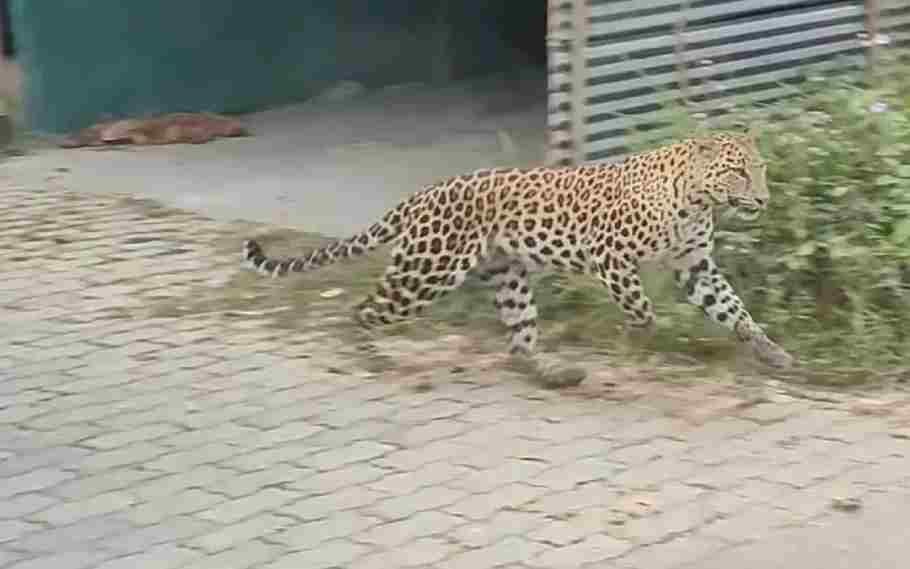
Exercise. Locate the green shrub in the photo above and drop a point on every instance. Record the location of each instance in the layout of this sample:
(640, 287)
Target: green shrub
(827, 268)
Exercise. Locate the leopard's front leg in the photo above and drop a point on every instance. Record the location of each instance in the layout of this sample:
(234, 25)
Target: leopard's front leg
(706, 288)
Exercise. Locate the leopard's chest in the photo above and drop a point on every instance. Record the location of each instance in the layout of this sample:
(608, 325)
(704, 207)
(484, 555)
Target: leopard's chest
(679, 233)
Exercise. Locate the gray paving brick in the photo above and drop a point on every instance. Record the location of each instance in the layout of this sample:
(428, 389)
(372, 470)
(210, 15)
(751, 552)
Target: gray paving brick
(339, 553)
(189, 501)
(7, 558)
(731, 474)
(433, 431)
(296, 452)
(234, 510)
(218, 416)
(198, 437)
(482, 506)
(164, 485)
(20, 413)
(277, 416)
(189, 458)
(398, 507)
(74, 537)
(428, 475)
(23, 505)
(165, 556)
(751, 524)
(340, 418)
(143, 433)
(577, 499)
(559, 533)
(248, 483)
(769, 413)
(671, 555)
(440, 409)
(377, 430)
(664, 526)
(571, 451)
(722, 429)
(317, 507)
(144, 414)
(68, 434)
(308, 535)
(14, 529)
(725, 504)
(807, 423)
(808, 472)
(569, 476)
(13, 440)
(874, 448)
(332, 480)
(144, 453)
(643, 452)
(412, 459)
(243, 556)
(178, 528)
(498, 526)
(108, 481)
(654, 473)
(594, 551)
(67, 560)
(33, 481)
(888, 471)
(70, 512)
(510, 550)
(420, 552)
(226, 537)
(423, 524)
(359, 451)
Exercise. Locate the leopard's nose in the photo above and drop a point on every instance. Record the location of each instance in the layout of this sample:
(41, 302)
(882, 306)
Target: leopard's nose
(760, 202)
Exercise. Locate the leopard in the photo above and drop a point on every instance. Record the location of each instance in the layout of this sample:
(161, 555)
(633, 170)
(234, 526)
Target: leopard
(605, 220)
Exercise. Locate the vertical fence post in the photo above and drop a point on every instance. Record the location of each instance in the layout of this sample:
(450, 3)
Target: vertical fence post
(563, 43)
(679, 50)
(559, 86)
(873, 27)
(579, 77)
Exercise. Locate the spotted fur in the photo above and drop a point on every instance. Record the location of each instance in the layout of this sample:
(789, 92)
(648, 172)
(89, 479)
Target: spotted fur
(603, 220)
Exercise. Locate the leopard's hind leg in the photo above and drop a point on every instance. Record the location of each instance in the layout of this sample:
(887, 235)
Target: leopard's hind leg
(411, 283)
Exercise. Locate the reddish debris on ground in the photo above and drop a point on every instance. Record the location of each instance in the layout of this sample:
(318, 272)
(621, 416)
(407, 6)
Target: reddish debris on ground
(176, 128)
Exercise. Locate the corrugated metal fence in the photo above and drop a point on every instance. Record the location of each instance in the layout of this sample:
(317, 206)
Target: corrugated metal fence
(616, 64)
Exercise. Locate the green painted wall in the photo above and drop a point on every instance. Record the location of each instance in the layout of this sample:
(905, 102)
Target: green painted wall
(85, 60)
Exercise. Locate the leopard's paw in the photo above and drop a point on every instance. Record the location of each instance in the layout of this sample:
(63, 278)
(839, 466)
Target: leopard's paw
(548, 372)
(772, 354)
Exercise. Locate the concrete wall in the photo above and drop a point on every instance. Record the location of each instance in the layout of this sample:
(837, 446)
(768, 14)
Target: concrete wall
(84, 60)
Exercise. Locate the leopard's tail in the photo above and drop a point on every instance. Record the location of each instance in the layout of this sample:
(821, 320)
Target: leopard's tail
(381, 232)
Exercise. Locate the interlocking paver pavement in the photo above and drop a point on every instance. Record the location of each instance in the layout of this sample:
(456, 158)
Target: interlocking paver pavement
(132, 438)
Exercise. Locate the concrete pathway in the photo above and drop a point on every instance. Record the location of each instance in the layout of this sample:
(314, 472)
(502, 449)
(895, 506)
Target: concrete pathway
(331, 168)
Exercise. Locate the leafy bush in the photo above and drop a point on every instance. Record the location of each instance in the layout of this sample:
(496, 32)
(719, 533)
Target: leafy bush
(827, 268)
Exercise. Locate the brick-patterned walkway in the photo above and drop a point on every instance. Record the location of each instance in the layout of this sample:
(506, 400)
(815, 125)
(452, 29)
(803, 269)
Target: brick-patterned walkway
(134, 440)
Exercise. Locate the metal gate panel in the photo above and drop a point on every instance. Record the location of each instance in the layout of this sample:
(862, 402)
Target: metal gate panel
(616, 64)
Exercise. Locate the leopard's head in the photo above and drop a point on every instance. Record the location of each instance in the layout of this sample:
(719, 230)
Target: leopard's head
(730, 172)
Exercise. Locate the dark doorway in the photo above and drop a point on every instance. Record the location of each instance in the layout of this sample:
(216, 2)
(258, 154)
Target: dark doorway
(6, 30)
